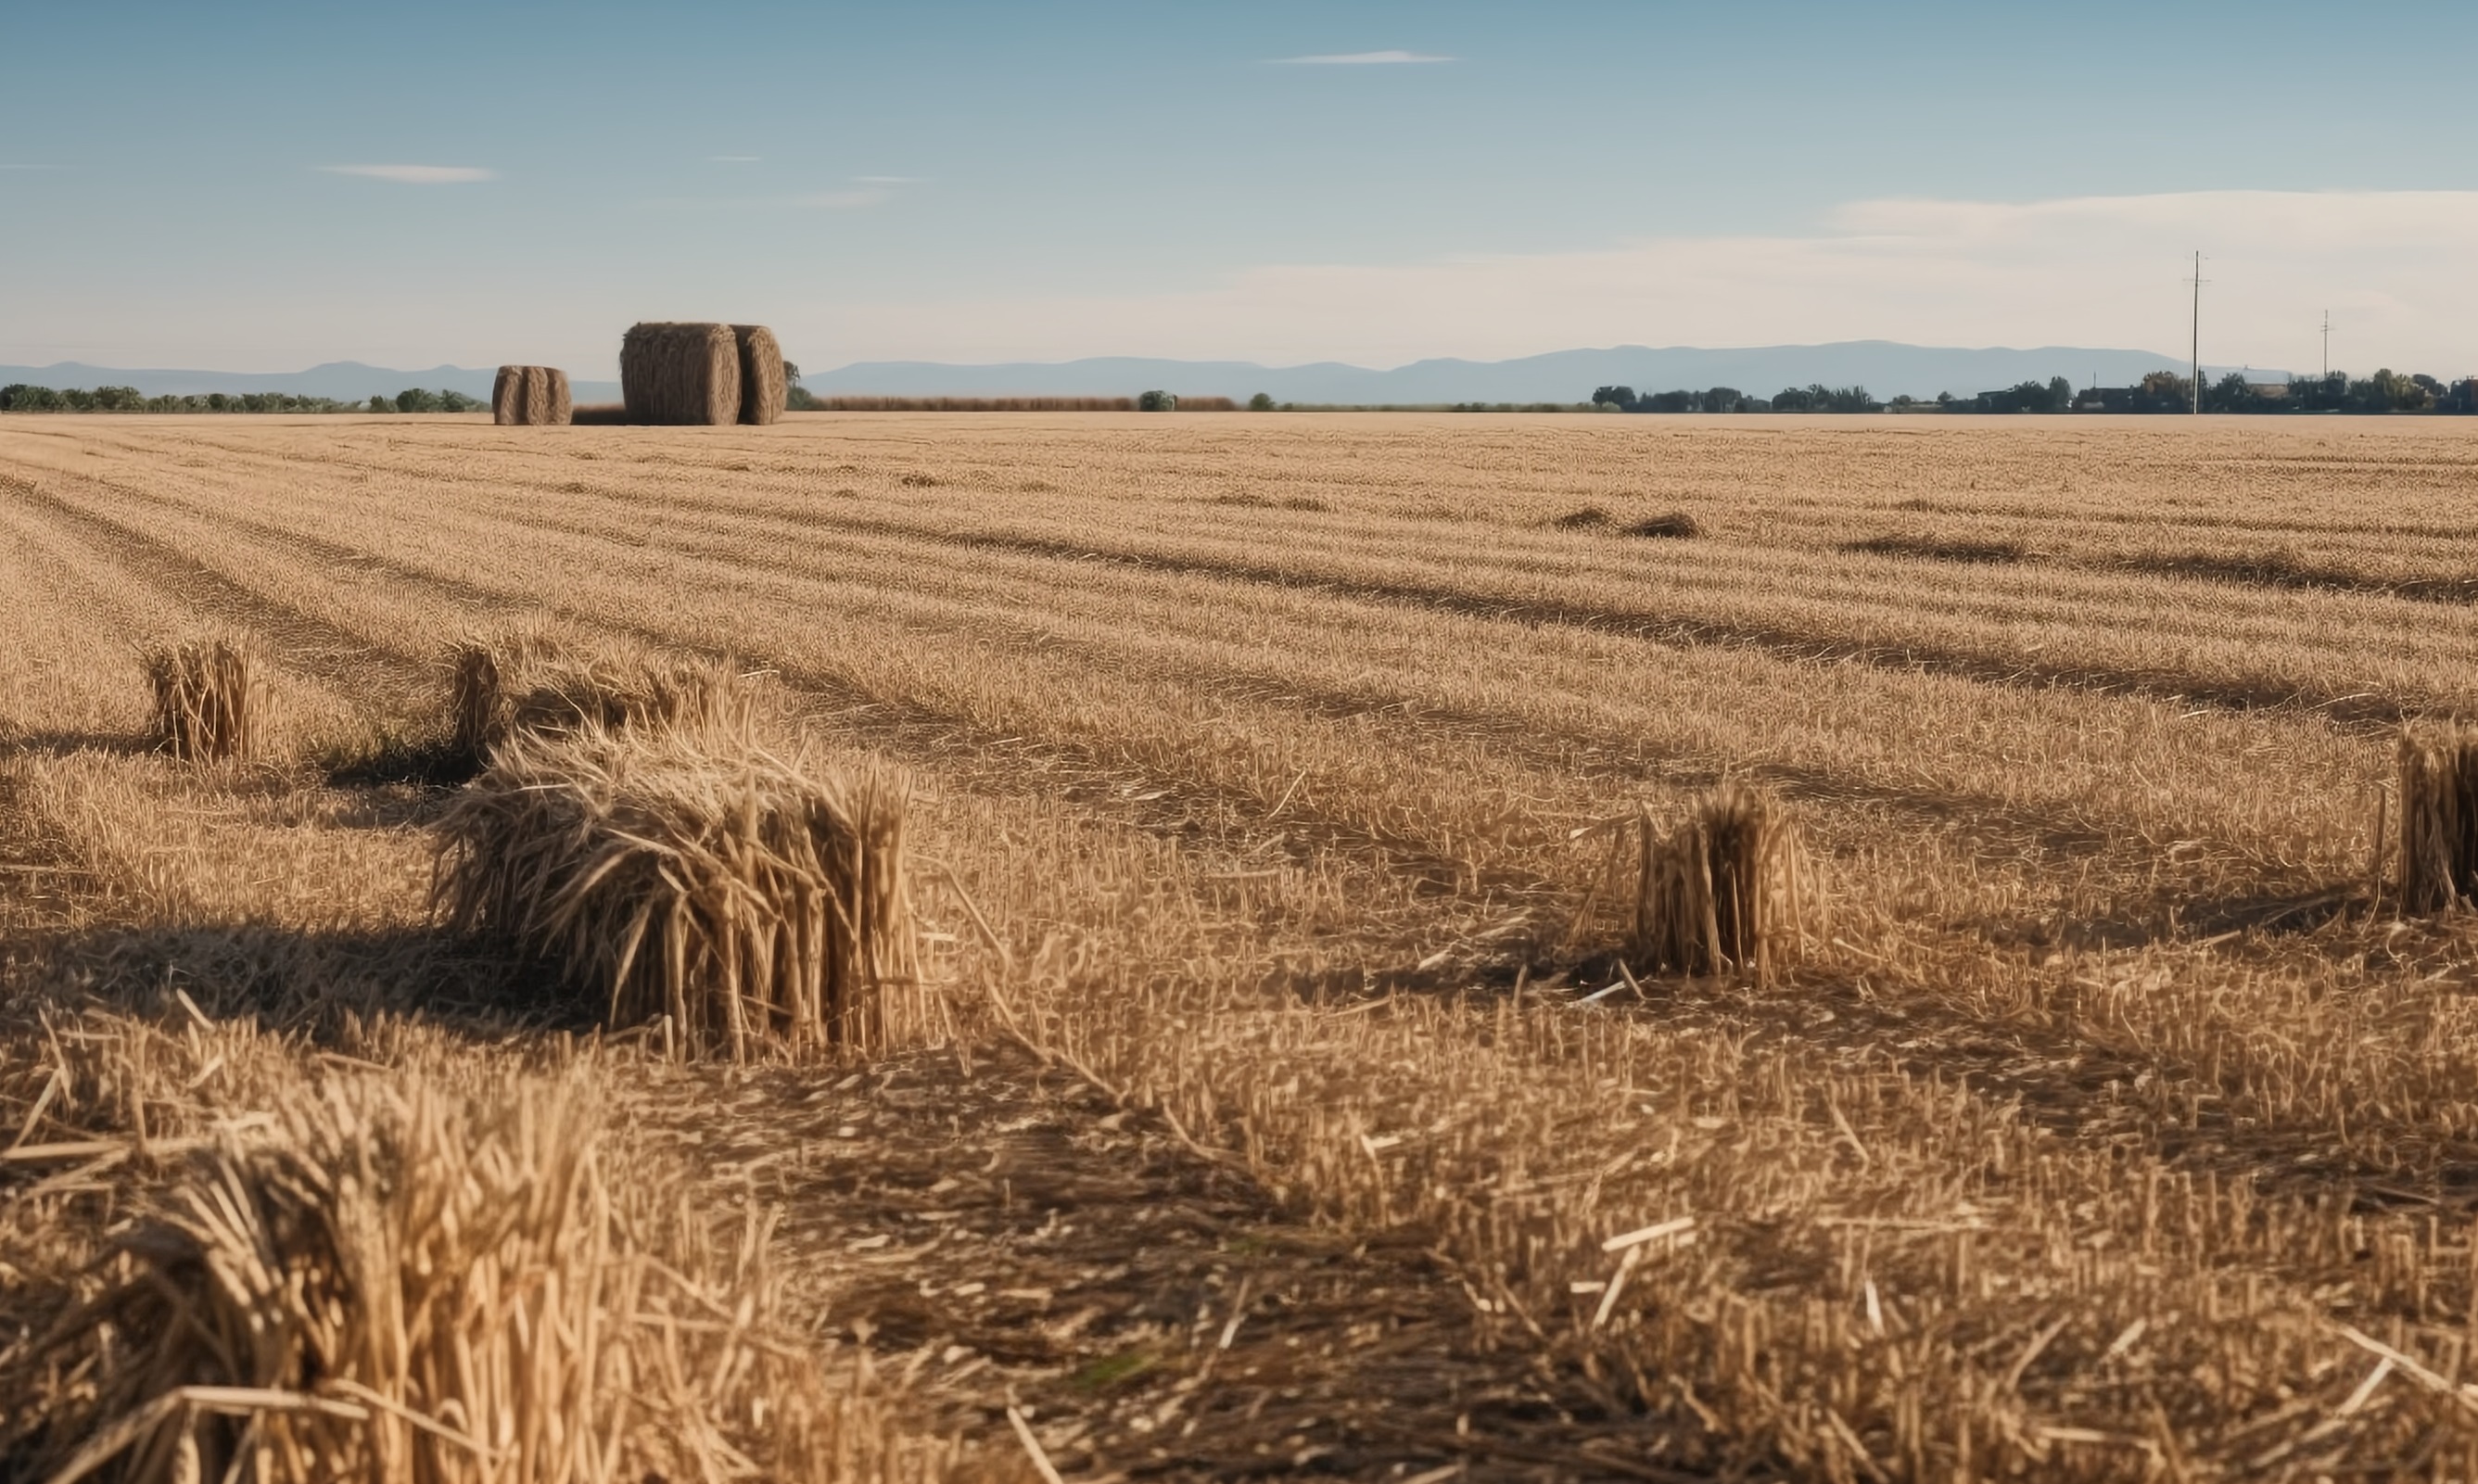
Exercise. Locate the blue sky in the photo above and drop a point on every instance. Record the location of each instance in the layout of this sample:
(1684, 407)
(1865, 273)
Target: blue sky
(1023, 181)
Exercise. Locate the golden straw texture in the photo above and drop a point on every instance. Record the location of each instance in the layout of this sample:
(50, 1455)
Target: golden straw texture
(531, 396)
(525, 681)
(673, 874)
(2439, 817)
(763, 385)
(207, 702)
(1729, 891)
(685, 373)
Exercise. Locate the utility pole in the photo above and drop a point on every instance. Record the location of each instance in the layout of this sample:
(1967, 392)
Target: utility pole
(2197, 282)
(2327, 344)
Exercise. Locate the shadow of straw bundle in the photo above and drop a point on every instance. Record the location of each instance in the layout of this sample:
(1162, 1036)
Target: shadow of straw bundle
(397, 1282)
(527, 682)
(688, 879)
(2439, 817)
(1729, 891)
(207, 703)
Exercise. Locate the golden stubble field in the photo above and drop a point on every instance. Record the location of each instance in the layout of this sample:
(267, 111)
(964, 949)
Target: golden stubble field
(2115, 1126)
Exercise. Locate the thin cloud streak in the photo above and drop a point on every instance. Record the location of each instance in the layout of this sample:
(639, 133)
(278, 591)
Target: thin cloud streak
(1384, 58)
(415, 175)
(2105, 271)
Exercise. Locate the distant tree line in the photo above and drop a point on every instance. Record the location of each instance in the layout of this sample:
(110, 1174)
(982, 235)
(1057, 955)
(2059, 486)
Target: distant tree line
(20, 397)
(1816, 399)
(2161, 392)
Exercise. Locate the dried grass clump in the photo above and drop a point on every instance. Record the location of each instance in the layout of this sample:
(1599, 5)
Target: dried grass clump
(1731, 890)
(763, 385)
(531, 396)
(527, 682)
(2439, 817)
(744, 900)
(1589, 517)
(1673, 526)
(397, 1283)
(208, 703)
(680, 374)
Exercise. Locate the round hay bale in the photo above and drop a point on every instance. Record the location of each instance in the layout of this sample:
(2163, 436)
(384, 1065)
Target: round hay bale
(763, 385)
(531, 396)
(680, 374)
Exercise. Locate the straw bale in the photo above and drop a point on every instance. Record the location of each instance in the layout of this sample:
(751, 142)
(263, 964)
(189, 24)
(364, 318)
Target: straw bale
(531, 396)
(1731, 890)
(672, 874)
(525, 681)
(681, 374)
(600, 414)
(2439, 817)
(208, 703)
(763, 385)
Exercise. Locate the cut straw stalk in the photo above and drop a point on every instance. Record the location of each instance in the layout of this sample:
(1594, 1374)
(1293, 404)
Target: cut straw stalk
(1729, 891)
(207, 700)
(2439, 817)
(680, 877)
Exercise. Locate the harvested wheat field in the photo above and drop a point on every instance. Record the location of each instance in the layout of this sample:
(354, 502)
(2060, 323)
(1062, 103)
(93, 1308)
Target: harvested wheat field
(1211, 947)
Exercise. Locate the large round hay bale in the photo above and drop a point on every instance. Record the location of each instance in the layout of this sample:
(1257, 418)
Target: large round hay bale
(681, 374)
(531, 396)
(763, 385)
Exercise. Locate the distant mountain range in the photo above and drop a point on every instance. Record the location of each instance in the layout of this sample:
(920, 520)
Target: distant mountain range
(1884, 367)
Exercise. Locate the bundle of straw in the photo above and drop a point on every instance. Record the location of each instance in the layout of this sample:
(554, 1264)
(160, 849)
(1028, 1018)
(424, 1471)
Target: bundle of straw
(1729, 891)
(386, 1287)
(531, 396)
(525, 681)
(679, 877)
(2439, 817)
(764, 386)
(207, 703)
(681, 374)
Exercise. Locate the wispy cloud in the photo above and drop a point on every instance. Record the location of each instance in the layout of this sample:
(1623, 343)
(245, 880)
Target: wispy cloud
(1384, 58)
(2096, 270)
(416, 174)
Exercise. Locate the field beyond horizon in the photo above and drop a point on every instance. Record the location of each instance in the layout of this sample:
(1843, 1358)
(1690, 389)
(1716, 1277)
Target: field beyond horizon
(1302, 1114)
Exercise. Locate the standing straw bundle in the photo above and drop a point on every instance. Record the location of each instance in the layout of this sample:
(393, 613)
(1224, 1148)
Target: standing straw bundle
(1729, 891)
(763, 383)
(531, 396)
(680, 877)
(207, 703)
(2439, 817)
(684, 374)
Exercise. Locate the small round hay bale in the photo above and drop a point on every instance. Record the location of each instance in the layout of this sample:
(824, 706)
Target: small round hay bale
(530, 397)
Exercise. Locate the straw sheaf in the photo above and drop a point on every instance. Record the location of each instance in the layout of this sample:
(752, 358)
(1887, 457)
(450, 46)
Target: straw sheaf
(398, 1282)
(531, 396)
(209, 702)
(681, 374)
(763, 383)
(1729, 891)
(2439, 817)
(682, 878)
(527, 682)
